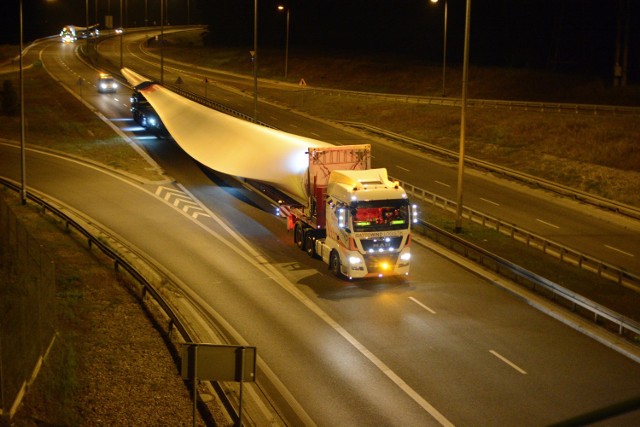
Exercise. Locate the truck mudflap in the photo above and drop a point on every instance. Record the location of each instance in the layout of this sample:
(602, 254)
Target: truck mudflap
(285, 211)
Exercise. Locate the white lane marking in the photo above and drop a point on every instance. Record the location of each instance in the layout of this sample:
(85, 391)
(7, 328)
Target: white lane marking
(315, 134)
(442, 183)
(619, 250)
(547, 223)
(244, 249)
(489, 201)
(404, 169)
(422, 305)
(508, 362)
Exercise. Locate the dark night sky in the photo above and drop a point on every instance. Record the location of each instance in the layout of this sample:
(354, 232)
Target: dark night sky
(571, 35)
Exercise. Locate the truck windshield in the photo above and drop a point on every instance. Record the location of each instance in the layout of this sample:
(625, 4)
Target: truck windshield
(381, 215)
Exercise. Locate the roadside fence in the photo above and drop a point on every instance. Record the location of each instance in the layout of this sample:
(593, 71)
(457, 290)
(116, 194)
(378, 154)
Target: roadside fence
(533, 240)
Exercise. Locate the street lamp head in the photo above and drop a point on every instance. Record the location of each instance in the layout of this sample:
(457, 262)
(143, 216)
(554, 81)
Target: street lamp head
(281, 7)
(434, 1)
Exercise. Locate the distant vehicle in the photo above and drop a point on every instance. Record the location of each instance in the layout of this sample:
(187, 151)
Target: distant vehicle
(106, 83)
(144, 114)
(72, 33)
(119, 30)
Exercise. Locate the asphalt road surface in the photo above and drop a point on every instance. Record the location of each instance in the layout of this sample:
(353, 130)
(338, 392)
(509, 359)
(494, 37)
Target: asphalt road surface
(442, 347)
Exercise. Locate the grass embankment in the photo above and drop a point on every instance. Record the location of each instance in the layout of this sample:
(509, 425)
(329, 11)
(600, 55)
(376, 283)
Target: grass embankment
(593, 153)
(108, 365)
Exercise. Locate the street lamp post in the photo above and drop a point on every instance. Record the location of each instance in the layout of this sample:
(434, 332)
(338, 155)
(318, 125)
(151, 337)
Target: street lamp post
(86, 15)
(121, 34)
(286, 48)
(465, 82)
(162, 41)
(23, 173)
(255, 60)
(444, 48)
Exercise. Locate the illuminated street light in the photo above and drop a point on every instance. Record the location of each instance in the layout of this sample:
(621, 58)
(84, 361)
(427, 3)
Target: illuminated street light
(444, 48)
(286, 50)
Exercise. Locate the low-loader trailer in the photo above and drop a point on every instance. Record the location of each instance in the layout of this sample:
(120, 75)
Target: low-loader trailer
(355, 219)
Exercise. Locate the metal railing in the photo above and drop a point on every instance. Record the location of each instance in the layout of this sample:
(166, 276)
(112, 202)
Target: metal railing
(547, 246)
(602, 316)
(119, 262)
(485, 103)
(599, 315)
(601, 202)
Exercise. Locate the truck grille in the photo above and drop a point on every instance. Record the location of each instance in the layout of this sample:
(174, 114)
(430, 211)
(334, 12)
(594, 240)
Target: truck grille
(381, 263)
(381, 243)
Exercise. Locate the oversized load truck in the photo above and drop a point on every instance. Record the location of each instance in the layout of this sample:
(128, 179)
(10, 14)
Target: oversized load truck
(356, 220)
(340, 210)
(144, 114)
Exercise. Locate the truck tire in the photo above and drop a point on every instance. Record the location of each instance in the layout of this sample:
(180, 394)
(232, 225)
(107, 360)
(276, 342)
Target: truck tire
(334, 264)
(310, 244)
(298, 236)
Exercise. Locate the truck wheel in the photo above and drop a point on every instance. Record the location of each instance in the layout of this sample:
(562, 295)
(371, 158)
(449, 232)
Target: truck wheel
(310, 244)
(298, 236)
(334, 264)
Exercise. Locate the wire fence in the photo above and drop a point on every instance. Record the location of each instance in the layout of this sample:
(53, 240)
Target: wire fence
(27, 309)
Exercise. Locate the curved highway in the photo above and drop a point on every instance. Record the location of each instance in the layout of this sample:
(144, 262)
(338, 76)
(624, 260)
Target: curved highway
(444, 347)
(609, 237)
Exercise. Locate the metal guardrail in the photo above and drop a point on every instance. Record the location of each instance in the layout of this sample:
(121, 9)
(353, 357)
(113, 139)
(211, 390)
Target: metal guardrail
(591, 199)
(486, 103)
(562, 252)
(600, 315)
(604, 317)
(147, 287)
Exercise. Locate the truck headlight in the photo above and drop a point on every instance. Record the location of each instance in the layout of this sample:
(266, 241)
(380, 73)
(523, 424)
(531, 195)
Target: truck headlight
(405, 256)
(354, 260)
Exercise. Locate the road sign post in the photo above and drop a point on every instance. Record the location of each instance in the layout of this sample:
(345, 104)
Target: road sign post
(218, 363)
